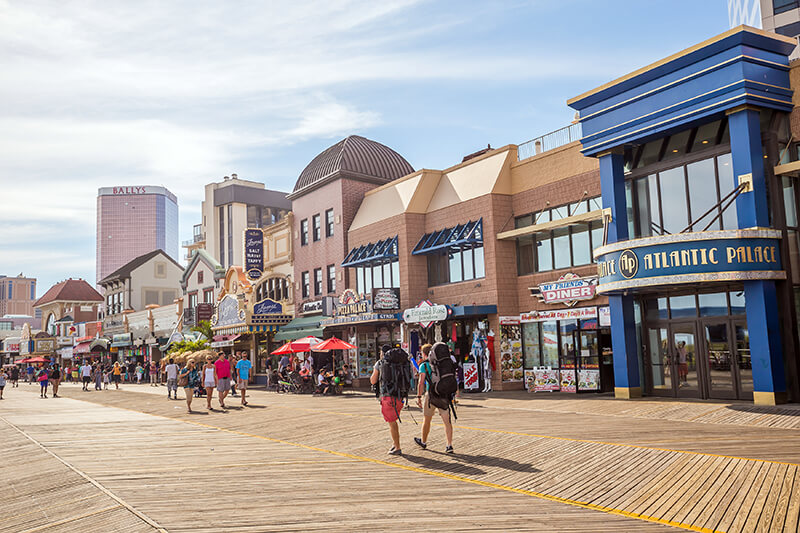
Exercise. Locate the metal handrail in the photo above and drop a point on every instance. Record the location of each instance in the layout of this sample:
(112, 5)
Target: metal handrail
(549, 141)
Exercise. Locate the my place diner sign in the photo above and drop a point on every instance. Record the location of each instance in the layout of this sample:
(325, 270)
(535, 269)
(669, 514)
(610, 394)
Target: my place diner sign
(729, 255)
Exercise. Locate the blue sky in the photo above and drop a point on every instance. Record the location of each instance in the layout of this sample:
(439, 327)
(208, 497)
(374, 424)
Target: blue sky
(181, 93)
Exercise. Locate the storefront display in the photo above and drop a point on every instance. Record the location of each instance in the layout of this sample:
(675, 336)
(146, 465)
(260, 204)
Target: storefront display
(510, 349)
(367, 354)
(542, 379)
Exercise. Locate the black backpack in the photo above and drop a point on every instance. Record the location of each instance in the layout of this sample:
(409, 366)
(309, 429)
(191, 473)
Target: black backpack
(395, 374)
(443, 384)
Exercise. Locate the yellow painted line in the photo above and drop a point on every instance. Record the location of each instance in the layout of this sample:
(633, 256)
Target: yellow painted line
(540, 495)
(551, 437)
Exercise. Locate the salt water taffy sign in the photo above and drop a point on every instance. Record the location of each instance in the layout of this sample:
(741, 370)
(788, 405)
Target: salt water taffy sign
(729, 255)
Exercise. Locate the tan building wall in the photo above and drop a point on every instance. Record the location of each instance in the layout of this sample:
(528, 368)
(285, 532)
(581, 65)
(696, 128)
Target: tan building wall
(20, 302)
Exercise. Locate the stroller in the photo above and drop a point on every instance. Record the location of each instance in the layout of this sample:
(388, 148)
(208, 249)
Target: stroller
(288, 382)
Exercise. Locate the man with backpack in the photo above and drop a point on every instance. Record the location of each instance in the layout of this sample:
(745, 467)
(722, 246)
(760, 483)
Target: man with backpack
(436, 389)
(393, 374)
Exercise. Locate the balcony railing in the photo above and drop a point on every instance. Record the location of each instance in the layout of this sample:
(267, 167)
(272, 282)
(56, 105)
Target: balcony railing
(201, 237)
(549, 141)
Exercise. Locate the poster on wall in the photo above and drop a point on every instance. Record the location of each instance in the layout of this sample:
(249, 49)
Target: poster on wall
(588, 379)
(604, 315)
(511, 352)
(253, 253)
(542, 379)
(568, 383)
(471, 376)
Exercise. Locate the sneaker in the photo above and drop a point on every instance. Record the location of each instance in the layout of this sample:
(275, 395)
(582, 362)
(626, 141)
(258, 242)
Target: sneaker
(395, 451)
(419, 442)
(449, 449)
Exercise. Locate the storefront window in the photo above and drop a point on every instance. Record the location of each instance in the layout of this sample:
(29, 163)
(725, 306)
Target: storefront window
(561, 253)
(789, 204)
(550, 344)
(703, 194)
(737, 303)
(673, 200)
(726, 185)
(453, 266)
(714, 304)
(682, 306)
(544, 252)
(530, 344)
(657, 309)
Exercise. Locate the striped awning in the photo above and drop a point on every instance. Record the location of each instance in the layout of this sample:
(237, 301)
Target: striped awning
(240, 328)
(264, 329)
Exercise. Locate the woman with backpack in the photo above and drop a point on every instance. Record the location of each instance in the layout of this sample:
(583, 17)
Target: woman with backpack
(433, 367)
(392, 374)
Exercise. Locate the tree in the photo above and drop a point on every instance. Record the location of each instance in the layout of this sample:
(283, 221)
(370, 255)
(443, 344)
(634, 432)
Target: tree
(188, 346)
(204, 327)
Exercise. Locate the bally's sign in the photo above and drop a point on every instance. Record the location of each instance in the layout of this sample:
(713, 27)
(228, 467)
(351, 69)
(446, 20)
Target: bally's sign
(731, 255)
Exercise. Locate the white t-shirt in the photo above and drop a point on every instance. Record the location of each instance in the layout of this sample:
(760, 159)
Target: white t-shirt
(172, 371)
(320, 379)
(86, 371)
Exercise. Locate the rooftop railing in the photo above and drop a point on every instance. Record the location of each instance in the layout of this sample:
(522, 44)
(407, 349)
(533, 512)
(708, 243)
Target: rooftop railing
(549, 141)
(197, 238)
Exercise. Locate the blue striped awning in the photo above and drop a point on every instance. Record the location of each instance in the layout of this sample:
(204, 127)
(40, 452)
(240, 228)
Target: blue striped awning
(436, 241)
(371, 253)
(264, 329)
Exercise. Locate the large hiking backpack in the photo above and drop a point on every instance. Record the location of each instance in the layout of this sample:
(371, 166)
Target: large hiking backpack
(395, 374)
(443, 384)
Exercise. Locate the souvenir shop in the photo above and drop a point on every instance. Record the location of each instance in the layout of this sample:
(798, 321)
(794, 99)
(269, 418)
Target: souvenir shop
(567, 350)
(466, 331)
(367, 321)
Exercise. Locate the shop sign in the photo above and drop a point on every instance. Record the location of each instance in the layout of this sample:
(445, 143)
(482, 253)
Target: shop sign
(11, 345)
(509, 320)
(542, 379)
(253, 253)
(204, 312)
(425, 314)
(731, 255)
(66, 353)
(569, 289)
(222, 344)
(385, 299)
(588, 379)
(604, 316)
(150, 340)
(471, 376)
(559, 314)
(25, 347)
(138, 342)
(568, 383)
(228, 312)
(64, 341)
(351, 303)
(267, 307)
(121, 339)
(45, 345)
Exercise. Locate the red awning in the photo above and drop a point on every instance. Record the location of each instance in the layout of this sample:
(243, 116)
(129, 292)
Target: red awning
(82, 347)
(219, 338)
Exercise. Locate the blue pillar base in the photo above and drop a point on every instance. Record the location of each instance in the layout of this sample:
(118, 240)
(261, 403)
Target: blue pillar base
(623, 342)
(766, 348)
(627, 393)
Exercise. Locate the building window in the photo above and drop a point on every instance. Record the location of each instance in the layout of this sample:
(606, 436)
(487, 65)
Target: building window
(151, 297)
(454, 254)
(192, 300)
(161, 270)
(329, 223)
(9, 290)
(208, 296)
(782, 6)
(33, 291)
(304, 232)
(331, 279)
(276, 289)
(561, 247)
(317, 281)
(200, 276)
(222, 236)
(316, 227)
(306, 284)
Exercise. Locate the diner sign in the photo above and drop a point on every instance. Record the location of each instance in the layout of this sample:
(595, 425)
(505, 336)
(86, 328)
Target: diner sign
(253, 253)
(570, 289)
(729, 255)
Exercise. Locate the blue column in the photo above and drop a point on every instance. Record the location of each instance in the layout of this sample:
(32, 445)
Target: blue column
(623, 329)
(761, 302)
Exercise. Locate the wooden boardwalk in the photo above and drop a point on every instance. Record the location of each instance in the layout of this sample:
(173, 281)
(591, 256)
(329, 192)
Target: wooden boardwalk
(302, 463)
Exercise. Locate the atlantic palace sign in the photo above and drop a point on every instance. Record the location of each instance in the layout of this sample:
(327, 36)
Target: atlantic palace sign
(731, 255)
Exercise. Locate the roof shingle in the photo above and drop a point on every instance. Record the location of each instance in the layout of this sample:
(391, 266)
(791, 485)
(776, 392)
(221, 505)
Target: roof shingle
(70, 290)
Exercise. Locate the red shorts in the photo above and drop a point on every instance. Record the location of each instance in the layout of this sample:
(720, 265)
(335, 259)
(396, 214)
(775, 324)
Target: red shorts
(390, 408)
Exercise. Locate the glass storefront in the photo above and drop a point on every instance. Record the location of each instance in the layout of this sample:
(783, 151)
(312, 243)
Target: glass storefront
(697, 346)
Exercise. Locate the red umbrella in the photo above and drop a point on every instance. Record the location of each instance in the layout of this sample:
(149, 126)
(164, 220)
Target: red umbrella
(306, 344)
(333, 344)
(37, 360)
(22, 361)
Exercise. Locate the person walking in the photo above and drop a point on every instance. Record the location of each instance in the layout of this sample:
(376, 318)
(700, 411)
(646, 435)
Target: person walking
(106, 377)
(3, 377)
(139, 374)
(234, 375)
(41, 377)
(55, 379)
(223, 366)
(209, 380)
(116, 374)
(243, 366)
(153, 373)
(424, 403)
(86, 374)
(172, 379)
(97, 372)
(29, 373)
(392, 373)
(14, 376)
(76, 373)
(190, 379)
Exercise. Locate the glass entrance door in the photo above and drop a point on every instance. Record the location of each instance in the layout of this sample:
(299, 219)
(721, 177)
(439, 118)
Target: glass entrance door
(719, 360)
(683, 356)
(743, 365)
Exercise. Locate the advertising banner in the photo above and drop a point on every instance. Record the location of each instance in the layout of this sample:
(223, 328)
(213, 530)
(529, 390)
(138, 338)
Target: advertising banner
(385, 299)
(697, 257)
(544, 379)
(470, 376)
(568, 383)
(253, 253)
(559, 314)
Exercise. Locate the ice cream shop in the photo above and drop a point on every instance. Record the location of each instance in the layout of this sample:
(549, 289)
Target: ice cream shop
(699, 262)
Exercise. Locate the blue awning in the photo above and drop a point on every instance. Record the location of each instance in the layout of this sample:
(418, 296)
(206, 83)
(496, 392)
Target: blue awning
(371, 253)
(469, 233)
(473, 310)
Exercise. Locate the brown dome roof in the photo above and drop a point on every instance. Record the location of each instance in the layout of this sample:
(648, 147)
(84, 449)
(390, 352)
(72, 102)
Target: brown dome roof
(355, 157)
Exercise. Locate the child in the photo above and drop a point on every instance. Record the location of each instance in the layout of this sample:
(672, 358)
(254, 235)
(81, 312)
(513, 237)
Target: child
(106, 378)
(3, 377)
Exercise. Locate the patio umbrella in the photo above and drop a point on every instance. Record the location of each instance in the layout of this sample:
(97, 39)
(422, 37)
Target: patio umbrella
(37, 360)
(333, 344)
(306, 344)
(26, 360)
